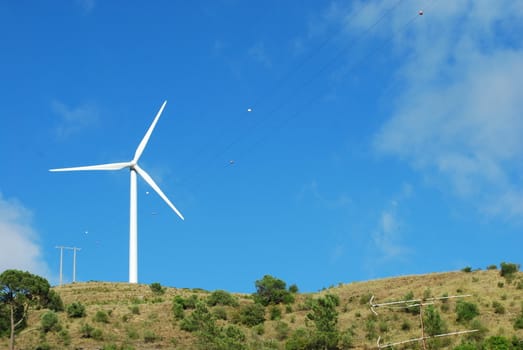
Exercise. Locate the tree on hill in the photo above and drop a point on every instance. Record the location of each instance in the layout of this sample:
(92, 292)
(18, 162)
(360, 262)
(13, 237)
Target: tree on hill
(18, 291)
(271, 290)
(325, 318)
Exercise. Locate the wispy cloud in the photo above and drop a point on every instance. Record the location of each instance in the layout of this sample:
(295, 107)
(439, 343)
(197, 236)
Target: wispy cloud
(458, 119)
(312, 189)
(74, 119)
(87, 6)
(387, 238)
(20, 247)
(259, 54)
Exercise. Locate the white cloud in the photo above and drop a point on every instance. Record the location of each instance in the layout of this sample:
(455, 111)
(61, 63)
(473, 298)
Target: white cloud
(458, 119)
(74, 119)
(387, 238)
(19, 248)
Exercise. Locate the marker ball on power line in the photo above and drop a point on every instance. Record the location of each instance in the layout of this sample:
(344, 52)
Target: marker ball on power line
(231, 162)
(420, 12)
(249, 109)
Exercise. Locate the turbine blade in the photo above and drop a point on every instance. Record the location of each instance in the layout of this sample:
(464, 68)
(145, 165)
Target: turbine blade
(155, 187)
(110, 166)
(145, 139)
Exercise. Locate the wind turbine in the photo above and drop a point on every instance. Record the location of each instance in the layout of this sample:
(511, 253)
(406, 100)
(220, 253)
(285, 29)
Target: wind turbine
(133, 217)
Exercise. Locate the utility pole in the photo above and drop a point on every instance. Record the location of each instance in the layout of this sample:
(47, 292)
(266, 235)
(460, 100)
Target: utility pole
(61, 259)
(74, 263)
(74, 249)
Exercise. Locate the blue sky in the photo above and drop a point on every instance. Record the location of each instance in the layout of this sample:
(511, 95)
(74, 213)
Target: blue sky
(380, 142)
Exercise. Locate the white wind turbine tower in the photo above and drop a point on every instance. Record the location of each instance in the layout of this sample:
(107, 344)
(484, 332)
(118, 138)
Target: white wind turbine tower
(133, 219)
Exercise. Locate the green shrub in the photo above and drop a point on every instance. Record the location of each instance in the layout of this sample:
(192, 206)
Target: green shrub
(433, 322)
(492, 267)
(370, 329)
(87, 331)
(480, 334)
(220, 313)
(466, 269)
(43, 346)
(518, 322)
(252, 314)
(365, 298)
(508, 269)
(501, 284)
(275, 313)
(75, 310)
(65, 337)
(465, 311)
(293, 288)
(101, 316)
(299, 340)
(271, 290)
(282, 330)
(411, 306)
(53, 301)
(149, 336)
(49, 322)
(135, 309)
(186, 303)
(497, 342)
(498, 307)
(132, 334)
(347, 339)
(466, 346)
(157, 288)
(221, 297)
(178, 312)
(199, 319)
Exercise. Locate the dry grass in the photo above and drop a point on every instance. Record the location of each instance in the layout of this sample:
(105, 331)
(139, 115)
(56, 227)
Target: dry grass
(126, 327)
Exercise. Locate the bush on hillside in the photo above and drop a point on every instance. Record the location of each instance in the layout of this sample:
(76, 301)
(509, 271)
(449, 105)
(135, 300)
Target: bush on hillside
(508, 269)
(498, 307)
(101, 316)
(271, 290)
(53, 301)
(186, 303)
(75, 310)
(518, 322)
(497, 342)
(49, 322)
(466, 311)
(221, 297)
(157, 288)
(199, 319)
(252, 314)
(433, 322)
(411, 305)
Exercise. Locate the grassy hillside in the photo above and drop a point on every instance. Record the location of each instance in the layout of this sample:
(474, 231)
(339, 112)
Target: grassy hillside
(124, 316)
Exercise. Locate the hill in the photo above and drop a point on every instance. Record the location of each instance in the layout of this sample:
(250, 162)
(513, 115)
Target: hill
(128, 316)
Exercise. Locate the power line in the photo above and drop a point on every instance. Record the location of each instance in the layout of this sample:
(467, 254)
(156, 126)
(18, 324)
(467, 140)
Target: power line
(285, 101)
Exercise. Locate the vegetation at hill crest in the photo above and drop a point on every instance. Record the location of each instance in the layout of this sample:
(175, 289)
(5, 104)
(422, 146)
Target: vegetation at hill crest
(107, 316)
